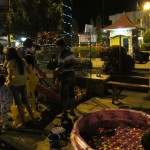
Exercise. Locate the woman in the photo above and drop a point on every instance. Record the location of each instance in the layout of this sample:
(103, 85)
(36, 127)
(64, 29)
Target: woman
(16, 79)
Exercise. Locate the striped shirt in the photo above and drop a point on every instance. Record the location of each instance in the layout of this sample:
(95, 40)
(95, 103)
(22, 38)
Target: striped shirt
(66, 61)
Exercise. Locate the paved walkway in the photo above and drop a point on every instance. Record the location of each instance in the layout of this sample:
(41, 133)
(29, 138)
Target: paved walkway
(25, 141)
(98, 63)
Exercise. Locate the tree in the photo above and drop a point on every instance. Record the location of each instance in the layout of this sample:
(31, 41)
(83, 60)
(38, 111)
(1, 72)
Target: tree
(92, 23)
(146, 38)
(116, 61)
(47, 37)
(98, 29)
(75, 28)
(18, 18)
(43, 16)
(28, 17)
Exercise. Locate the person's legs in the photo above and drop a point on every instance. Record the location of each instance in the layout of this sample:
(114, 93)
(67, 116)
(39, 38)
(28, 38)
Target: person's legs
(29, 111)
(65, 107)
(64, 98)
(72, 96)
(25, 101)
(21, 113)
(72, 105)
(67, 92)
(16, 94)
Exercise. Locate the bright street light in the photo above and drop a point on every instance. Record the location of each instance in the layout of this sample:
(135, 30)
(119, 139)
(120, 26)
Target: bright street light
(147, 6)
(147, 9)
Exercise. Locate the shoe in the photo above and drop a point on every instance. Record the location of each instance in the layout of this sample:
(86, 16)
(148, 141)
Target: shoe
(21, 126)
(72, 113)
(2, 131)
(35, 123)
(59, 116)
(4, 128)
(62, 115)
(7, 126)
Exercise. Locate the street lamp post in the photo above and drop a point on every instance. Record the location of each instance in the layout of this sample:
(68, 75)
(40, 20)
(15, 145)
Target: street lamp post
(9, 42)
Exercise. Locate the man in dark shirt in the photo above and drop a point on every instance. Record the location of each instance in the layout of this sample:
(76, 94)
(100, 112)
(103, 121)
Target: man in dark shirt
(66, 76)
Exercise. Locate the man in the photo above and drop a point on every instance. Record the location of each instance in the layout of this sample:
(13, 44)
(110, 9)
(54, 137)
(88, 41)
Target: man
(66, 76)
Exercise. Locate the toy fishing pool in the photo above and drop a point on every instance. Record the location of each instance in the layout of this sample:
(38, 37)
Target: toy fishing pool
(110, 129)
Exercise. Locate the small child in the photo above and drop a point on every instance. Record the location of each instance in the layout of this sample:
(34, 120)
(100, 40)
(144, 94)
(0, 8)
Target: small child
(5, 101)
(32, 81)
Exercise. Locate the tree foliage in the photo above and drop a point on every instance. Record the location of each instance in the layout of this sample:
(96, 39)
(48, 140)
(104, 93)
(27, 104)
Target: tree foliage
(146, 37)
(47, 37)
(98, 29)
(75, 28)
(28, 17)
(116, 61)
(75, 31)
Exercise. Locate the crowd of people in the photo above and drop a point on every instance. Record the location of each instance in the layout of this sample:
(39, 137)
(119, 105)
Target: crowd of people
(19, 63)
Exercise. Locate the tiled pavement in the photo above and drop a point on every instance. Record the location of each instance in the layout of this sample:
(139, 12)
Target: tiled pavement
(25, 141)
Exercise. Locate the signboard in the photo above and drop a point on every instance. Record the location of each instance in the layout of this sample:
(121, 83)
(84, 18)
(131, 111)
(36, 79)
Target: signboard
(94, 38)
(124, 32)
(85, 38)
(4, 4)
(88, 28)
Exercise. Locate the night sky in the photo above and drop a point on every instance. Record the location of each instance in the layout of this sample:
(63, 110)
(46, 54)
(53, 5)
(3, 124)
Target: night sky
(84, 10)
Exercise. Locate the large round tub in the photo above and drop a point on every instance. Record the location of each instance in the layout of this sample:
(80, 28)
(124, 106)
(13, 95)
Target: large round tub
(102, 118)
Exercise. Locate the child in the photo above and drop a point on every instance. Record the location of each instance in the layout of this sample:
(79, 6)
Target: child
(32, 80)
(5, 101)
(16, 69)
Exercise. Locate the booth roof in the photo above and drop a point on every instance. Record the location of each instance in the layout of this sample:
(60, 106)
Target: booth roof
(122, 22)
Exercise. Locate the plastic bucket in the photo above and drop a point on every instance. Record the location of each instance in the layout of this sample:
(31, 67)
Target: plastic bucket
(54, 140)
(60, 131)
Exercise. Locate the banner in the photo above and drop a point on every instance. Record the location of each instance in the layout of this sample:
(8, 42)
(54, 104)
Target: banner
(4, 5)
